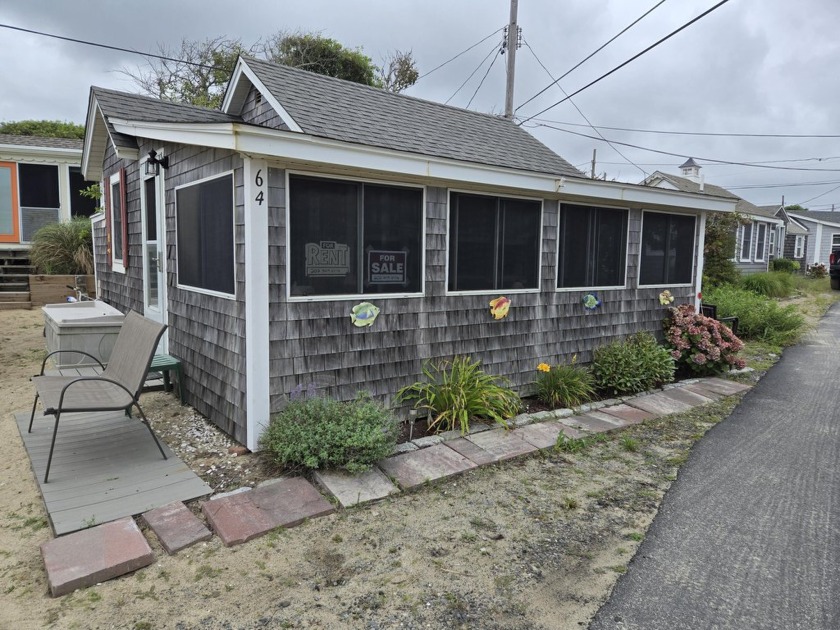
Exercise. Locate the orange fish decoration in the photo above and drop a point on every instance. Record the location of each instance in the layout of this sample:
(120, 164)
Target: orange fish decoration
(499, 307)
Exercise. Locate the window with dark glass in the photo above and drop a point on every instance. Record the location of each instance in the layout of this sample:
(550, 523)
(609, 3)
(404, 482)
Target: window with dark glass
(349, 238)
(592, 247)
(80, 206)
(204, 220)
(117, 216)
(38, 186)
(667, 248)
(746, 241)
(494, 243)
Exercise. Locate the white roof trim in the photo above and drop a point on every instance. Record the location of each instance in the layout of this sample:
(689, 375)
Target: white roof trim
(233, 97)
(799, 217)
(56, 152)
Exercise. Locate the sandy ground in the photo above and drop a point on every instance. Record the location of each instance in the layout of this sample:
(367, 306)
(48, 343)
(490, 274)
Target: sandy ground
(534, 543)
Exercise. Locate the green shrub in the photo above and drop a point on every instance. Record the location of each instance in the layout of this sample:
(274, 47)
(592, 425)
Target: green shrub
(564, 385)
(759, 317)
(325, 433)
(456, 391)
(785, 265)
(772, 284)
(701, 344)
(632, 365)
(63, 248)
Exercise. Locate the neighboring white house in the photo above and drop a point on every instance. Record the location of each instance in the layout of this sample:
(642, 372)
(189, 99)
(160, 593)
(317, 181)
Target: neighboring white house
(823, 232)
(756, 242)
(40, 180)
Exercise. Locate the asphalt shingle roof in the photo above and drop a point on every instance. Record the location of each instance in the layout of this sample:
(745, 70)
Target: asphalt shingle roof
(37, 141)
(831, 217)
(686, 185)
(346, 111)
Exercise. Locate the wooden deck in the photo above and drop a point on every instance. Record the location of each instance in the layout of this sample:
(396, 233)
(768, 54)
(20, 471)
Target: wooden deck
(106, 466)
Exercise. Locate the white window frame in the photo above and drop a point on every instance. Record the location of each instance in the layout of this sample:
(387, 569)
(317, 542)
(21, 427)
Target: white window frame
(117, 261)
(799, 246)
(760, 227)
(694, 252)
(354, 296)
(771, 249)
(449, 192)
(188, 287)
(835, 239)
(741, 243)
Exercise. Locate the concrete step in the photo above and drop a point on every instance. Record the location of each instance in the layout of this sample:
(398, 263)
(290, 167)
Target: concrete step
(14, 296)
(15, 306)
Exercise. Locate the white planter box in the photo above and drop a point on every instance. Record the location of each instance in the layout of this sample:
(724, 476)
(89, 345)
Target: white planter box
(88, 326)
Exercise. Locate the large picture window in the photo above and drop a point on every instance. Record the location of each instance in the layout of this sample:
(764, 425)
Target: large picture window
(592, 247)
(667, 249)
(204, 220)
(349, 238)
(494, 243)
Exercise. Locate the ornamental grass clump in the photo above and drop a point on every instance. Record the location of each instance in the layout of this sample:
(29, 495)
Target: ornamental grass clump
(700, 344)
(772, 283)
(63, 248)
(317, 432)
(635, 364)
(759, 317)
(564, 385)
(454, 392)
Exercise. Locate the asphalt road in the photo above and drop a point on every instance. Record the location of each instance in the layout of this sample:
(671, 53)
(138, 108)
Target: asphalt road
(749, 534)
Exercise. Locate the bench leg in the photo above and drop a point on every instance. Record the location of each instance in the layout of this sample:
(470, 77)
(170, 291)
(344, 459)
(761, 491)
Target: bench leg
(52, 447)
(32, 417)
(167, 384)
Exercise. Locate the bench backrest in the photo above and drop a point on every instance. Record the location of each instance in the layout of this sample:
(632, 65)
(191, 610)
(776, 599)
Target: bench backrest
(133, 351)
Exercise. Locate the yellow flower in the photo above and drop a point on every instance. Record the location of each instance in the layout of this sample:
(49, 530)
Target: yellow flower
(544, 367)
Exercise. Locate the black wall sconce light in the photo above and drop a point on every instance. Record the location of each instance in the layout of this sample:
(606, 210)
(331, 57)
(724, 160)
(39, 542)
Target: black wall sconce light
(154, 162)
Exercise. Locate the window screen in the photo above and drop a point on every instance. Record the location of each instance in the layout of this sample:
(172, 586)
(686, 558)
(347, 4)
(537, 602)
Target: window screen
(494, 243)
(592, 247)
(204, 216)
(38, 186)
(667, 249)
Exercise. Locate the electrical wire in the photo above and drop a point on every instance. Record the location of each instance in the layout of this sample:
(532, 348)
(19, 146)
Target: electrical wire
(480, 83)
(109, 47)
(478, 67)
(696, 133)
(684, 156)
(425, 74)
(633, 58)
(802, 203)
(592, 54)
(595, 129)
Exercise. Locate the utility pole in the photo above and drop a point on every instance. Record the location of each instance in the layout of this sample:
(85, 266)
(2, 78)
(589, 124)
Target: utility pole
(512, 42)
(592, 174)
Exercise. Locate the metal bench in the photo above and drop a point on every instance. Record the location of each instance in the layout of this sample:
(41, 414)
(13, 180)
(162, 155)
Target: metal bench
(164, 364)
(710, 310)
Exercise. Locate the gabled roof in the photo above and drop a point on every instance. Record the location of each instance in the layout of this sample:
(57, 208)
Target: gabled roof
(832, 218)
(687, 185)
(341, 110)
(37, 141)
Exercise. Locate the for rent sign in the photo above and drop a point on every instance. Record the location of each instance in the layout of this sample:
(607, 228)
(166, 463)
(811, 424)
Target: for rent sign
(386, 267)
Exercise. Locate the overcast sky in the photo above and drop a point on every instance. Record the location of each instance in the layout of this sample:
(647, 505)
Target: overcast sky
(751, 66)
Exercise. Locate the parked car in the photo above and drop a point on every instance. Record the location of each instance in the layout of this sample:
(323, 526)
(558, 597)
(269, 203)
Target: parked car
(834, 268)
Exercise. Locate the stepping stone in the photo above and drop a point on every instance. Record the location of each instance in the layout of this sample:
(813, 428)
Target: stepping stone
(281, 503)
(176, 527)
(416, 468)
(502, 444)
(723, 386)
(590, 424)
(659, 404)
(95, 555)
(703, 391)
(617, 423)
(355, 489)
(474, 453)
(628, 414)
(687, 396)
(544, 434)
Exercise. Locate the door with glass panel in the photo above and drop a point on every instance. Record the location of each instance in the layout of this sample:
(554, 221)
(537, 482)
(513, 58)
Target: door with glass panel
(154, 248)
(9, 230)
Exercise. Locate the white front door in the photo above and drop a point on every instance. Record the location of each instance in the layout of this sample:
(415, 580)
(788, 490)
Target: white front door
(154, 248)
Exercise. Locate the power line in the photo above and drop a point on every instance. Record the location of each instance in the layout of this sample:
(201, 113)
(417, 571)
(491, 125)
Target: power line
(696, 133)
(478, 67)
(684, 156)
(480, 83)
(595, 129)
(107, 46)
(425, 74)
(792, 185)
(633, 58)
(592, 54)
(820, 195)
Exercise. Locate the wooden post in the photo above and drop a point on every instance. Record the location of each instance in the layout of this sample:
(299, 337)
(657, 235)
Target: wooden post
(512, 39)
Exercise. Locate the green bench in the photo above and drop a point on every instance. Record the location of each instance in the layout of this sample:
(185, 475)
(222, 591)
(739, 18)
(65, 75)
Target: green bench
(164, 364)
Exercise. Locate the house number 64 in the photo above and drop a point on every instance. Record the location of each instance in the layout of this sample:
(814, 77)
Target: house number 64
(258, 182)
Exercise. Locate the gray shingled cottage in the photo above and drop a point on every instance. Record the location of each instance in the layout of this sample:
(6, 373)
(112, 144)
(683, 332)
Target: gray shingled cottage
(254, 231)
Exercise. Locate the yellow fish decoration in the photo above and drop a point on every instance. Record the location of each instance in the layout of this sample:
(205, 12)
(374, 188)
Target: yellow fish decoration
(499, 307)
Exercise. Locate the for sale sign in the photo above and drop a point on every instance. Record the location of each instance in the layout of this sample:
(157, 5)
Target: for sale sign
(386, 267)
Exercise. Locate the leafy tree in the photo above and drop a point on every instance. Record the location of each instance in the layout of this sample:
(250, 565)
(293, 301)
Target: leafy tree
(795, 208)
(719, 248)
(203, 68)
(43, 129)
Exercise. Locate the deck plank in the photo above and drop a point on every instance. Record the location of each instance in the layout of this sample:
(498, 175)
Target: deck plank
(105, 466)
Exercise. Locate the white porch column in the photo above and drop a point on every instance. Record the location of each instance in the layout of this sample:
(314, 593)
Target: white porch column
(256, 300)
(701, 258)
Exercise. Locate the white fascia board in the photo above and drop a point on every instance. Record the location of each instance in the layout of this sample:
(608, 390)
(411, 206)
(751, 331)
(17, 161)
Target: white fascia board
(216, 135)
(90, 130)
(763, 218)
(816, 221)
(646, 196)
(233, 87)
(50, 153)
